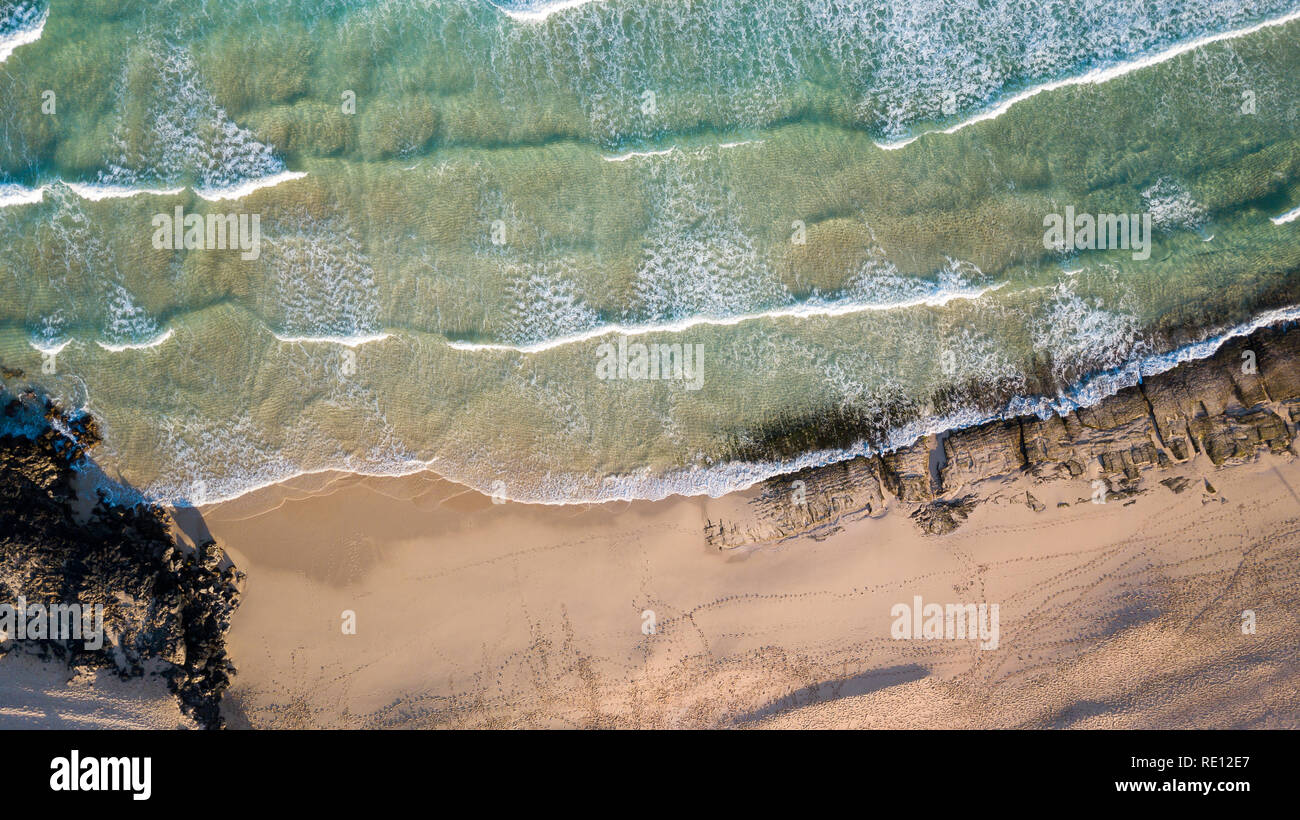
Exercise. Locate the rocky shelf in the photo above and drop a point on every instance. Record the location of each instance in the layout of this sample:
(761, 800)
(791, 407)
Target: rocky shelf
(1227, 408)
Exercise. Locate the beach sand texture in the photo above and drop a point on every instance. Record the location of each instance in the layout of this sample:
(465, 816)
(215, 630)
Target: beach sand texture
(473, 614)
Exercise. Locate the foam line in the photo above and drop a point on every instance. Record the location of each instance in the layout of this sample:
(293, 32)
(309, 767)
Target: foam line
(1289, 216)
(96, 193)
(51, 349)
(793, 312)
(638, 154)
(154, 342)
(1098, 76)
(243, 189)
(346, 341)
(540, 13)
(18, 195)
(672, 149)
(720, 480)
(22, 37)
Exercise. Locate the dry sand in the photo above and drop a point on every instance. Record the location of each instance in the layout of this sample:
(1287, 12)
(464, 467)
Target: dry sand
(470, 613)
(45, 694)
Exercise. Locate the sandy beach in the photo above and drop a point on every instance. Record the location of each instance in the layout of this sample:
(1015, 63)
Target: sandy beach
(1131, 564)
(555, 364)
(474, 614)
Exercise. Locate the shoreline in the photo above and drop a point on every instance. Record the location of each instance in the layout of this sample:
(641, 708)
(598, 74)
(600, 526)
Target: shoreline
(474, 614)
(743, 476)
(359, 601)
(952, 459)
(770, 613)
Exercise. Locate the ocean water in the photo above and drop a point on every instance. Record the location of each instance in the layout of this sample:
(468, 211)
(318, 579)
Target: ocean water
(835, 208)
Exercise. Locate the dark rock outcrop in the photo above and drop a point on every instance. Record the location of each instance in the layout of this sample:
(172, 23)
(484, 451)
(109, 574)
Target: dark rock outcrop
(943, 515)
(809, 502)
(1230, 407)
(166, 610)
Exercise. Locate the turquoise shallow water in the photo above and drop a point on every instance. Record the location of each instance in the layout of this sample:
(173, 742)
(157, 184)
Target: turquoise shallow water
(462, 207)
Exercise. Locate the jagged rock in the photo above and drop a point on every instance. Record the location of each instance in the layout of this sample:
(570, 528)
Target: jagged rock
(1033, 503)
(722, 535)
(987, 451)
(1121, 489)
(1237, 437)
(804, 502)
(1214, 406)
(943, 516)
(1276, 351)
(161, 605)
(906, 473)
(1176, 483)
(1048, 448)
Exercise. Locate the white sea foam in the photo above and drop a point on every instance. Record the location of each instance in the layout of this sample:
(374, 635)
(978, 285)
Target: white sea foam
(895, 65)
(346, 341)
(641, 154)
(1171, 207)
(154, 342)
(545, 303)
(321, 284)
(1100, 386)
(243, 189)
(802, 311)
(30, 26)
(673, 149)
(184, 134)
(696, 258)
(1289, 216)
(50, 348)
(539, 10)
(1079, 333)
(1098, 76)
(718, 480)
(96, 192)
(125, 321)
(11, 194)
